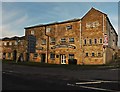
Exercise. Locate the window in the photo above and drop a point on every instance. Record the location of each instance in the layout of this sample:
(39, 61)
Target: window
(43, 41)
(93, 54)
(86, 54)
(71, 39)
(85, 42)
(95, 41)
(32, 32)
(100, 40)
(69, 27)
(71, 56)
(9, 55)
(5, 43)
(16, 42)
(52, 56)
(63, 40)
(52, 40)
(99, 54)
(10, 43)
(90, 41)
(48, 30)
(35, 54)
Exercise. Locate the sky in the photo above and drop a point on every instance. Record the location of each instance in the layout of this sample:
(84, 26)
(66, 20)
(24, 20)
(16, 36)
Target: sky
(18, 15)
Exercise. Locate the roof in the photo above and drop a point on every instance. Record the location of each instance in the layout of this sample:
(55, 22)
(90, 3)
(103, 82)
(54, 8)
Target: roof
(72, 20)
(13, 38)
(91, 10)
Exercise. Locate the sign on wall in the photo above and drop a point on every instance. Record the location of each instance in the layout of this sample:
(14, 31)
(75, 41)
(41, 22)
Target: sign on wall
(105, 40)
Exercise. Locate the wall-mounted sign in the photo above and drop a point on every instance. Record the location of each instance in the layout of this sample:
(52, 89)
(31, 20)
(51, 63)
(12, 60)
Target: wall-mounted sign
(92, 24)
(105, 40)
(63, 46)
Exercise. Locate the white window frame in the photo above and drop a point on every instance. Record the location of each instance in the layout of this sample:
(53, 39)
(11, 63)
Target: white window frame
(73, 40)
(32, 32)
(48, 30)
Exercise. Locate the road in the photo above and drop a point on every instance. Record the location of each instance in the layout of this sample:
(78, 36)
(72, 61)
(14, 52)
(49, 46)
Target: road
(20, 77)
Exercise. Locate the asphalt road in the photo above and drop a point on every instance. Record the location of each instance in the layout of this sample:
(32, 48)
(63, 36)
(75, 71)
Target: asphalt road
(19, 77)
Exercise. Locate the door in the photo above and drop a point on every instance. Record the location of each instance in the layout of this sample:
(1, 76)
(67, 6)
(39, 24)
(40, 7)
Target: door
(63, 59)
(43, 58)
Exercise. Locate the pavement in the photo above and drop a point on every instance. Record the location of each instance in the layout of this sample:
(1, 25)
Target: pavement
(20, 77)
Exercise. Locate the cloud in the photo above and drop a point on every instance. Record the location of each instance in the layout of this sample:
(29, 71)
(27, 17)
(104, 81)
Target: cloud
(12, 22)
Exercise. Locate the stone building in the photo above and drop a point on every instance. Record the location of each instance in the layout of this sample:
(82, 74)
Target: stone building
(13, 48)
(90, 40)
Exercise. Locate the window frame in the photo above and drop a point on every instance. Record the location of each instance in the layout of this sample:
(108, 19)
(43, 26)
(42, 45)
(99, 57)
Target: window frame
(48, 30)
(63, 41)
(95, 41)
(93, 54)
(90, 41)
(52, 56)
(71, 41)
(32, 32)
(101, 40)
(71, 56)
(68, 27)
(86, 54)
(43, 42)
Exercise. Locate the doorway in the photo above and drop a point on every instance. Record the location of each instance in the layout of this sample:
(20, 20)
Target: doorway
(14, 55)
(43, 58)
(63, 59)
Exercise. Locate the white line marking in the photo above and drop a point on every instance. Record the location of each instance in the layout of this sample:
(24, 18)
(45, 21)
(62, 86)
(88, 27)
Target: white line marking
(93, 88)
(89, 82)
(96, 82)
(98, 88)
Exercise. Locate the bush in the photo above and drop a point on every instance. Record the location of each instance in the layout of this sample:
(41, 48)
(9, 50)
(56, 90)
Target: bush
(72, 61)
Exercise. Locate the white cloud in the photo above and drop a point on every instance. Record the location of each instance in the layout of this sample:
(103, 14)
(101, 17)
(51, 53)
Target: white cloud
(12, 24)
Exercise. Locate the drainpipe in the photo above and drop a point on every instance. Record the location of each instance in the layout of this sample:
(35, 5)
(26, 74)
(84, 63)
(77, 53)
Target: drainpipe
(47, 46)
(104, 49)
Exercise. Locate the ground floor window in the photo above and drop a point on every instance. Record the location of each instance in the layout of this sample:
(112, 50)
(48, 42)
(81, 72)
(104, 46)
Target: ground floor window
(93, 54)
(52, 56)
(71, 56)
(9, 55)
(86, 54)
(35, 54)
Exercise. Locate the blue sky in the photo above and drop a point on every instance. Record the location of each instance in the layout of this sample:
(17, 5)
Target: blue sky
(17, 15)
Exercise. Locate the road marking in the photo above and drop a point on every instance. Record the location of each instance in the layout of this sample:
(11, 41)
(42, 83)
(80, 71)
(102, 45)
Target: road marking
(98, 89)
(89, 82)
(94, 88)
(96, 82)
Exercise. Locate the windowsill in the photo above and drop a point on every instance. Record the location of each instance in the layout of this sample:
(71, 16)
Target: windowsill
(52, 58)
(43, 44)
(71, 42)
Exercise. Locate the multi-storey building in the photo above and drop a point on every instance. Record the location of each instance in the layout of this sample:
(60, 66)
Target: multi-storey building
(90, 40)
(13, 48)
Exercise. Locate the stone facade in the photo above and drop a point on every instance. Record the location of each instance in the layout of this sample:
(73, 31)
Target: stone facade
(81, 39)
(13, 48)
(89, 40)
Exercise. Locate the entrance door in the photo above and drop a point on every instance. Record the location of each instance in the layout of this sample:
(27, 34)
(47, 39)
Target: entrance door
(63, 59)
(14, 55)
(43, 58)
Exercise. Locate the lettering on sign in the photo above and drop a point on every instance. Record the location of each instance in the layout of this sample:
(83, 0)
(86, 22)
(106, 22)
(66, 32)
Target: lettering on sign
(105, 40)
